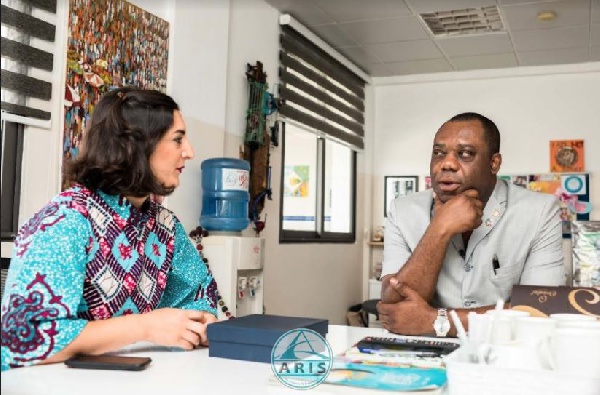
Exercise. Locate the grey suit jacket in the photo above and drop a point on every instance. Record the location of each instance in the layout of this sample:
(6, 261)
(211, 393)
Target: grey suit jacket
(521, 228)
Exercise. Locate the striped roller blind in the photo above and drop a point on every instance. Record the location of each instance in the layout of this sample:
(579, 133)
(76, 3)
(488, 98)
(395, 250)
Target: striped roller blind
(318, 90)
(18, 56)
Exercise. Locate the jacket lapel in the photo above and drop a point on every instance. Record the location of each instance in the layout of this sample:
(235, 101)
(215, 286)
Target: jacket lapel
(493, 211)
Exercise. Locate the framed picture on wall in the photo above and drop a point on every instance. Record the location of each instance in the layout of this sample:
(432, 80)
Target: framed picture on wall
(395, 186)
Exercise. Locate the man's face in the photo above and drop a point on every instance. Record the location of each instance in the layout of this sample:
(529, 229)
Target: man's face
(460, 160)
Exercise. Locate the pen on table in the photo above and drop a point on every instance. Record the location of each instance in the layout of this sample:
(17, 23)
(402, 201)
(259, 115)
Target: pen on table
(393, 353)
(495, 264)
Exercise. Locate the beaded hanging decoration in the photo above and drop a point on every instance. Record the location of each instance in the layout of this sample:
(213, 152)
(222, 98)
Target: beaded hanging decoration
(197, 235)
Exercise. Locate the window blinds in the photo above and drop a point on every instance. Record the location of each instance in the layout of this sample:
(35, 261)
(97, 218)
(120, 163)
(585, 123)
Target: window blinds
(11, 159)
(19, 26)
(317, 89)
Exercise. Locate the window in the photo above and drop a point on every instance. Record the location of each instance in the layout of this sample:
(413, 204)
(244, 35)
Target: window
(318, 188)
(322, 109)
(12, 154)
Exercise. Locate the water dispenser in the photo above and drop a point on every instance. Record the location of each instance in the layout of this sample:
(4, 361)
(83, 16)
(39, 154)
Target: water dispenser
(237, 265)
(235, 261)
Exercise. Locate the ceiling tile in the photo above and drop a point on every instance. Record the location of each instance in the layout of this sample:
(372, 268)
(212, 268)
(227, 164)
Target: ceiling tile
(568, 13)
(358, 10)
(513, 2)
(595, 35)
(304, 11)
(381, 36)
(385, 30)
(495, 61)
(595, 11)
(540, 39)
(555, 56)
(421, 6)
(359, 56)
(420, 66)
(475, 45)
(403, 51)
(333, 36)
(379, 70)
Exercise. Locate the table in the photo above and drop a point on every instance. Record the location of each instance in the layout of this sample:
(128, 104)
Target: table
(178, 372)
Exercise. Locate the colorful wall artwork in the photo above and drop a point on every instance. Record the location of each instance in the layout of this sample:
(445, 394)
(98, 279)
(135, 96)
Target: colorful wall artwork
(395, 186)
(572, 191)
(111, 44)
(427, 182)
(296, 181)
(566, 156)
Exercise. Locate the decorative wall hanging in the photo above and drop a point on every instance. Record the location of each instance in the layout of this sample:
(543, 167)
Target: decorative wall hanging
(566, 156)
(427, 182)
(572, 191)
(111, 44)
(586, 253)
(396, 186)
(257, 142)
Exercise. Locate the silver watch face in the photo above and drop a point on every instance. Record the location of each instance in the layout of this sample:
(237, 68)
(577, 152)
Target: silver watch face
(441, 325)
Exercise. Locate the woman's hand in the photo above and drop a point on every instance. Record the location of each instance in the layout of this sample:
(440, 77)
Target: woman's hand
(176, 327)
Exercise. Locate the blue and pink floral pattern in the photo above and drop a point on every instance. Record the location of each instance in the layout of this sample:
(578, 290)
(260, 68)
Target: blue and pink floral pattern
(89, 256)
(26, 338)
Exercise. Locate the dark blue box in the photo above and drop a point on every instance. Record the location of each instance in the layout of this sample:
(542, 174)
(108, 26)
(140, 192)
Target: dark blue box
(252, 337)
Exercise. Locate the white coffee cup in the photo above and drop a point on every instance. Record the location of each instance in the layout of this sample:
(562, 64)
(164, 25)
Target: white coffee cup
(510, 316)
(534, 329)
(516, 355)
(580, 324)
(576, 351)
(486, 328)
(569, 318)
(509, 313)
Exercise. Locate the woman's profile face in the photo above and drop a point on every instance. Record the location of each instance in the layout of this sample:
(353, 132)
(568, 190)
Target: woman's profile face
(168, 159)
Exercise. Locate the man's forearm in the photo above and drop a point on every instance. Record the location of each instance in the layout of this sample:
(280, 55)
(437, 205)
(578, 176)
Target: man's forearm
(422, 269)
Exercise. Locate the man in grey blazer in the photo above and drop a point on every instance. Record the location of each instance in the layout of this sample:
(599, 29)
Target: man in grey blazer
(466, 242)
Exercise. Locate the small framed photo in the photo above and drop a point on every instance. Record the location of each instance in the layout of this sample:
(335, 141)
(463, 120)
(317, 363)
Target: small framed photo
(398, 186)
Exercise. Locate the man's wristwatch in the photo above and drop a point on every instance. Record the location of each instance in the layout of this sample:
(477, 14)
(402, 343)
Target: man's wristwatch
(441, 323)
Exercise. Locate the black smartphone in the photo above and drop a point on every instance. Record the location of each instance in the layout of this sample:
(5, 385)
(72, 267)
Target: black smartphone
(108, 362)
(372, 344)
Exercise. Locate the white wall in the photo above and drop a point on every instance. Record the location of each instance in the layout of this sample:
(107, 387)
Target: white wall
(531, 106)
(210, 44)
(318, 280)
(197, 78)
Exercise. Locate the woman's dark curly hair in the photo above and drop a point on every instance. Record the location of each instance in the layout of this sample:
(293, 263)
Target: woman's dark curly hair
(124, 130)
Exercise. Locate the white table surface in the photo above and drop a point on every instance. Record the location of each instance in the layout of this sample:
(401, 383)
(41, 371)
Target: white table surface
(178, 372)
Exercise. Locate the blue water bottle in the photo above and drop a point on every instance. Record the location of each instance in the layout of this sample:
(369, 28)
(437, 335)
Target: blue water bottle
(225, 196)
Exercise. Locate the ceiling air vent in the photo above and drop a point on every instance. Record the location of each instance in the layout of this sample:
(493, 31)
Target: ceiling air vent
(465, 21)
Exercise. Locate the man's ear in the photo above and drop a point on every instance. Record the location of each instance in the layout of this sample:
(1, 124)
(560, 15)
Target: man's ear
(496, 162)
